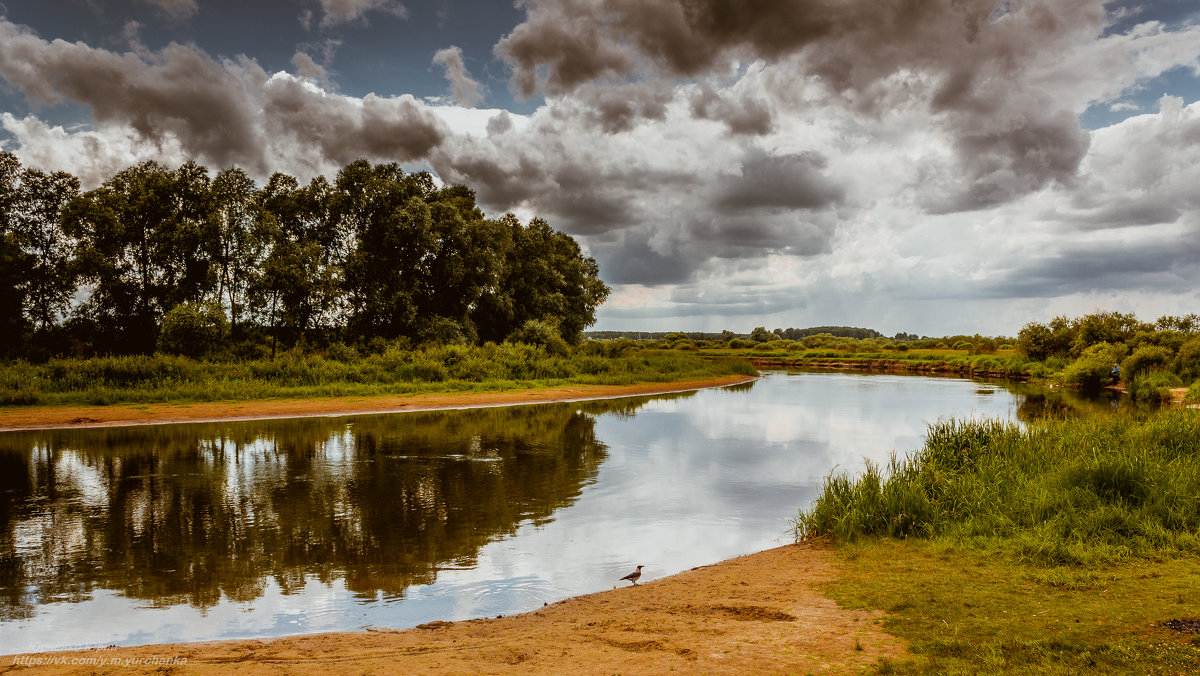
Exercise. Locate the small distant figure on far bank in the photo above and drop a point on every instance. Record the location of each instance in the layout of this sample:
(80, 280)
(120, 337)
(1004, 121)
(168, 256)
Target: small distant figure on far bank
(1115, 374)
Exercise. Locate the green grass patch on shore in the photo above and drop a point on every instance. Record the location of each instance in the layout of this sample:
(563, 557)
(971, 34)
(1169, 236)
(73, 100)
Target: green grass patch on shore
(1084, 490)
(977, 611)
(1058, 547)
(162, 378)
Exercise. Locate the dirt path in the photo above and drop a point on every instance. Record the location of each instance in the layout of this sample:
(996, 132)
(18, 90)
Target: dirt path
(760, 613)
(44, 417)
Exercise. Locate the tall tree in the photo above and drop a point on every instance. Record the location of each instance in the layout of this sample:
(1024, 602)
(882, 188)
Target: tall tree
(12, 261)
(546, 277)
(145, 240)
(296, 287)
(386, 214)
(241, 245)
(49, 277)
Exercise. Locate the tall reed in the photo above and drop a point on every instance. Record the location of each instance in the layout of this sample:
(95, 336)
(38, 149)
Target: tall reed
(1063, 491)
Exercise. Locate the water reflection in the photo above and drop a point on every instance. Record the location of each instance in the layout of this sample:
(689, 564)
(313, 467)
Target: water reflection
(189, 514)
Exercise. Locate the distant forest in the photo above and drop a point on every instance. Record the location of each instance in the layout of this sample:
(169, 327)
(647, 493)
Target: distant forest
(181, 258)
(777, 334)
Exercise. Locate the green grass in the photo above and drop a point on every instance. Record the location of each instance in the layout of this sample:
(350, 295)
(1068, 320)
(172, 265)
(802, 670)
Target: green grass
(977, 611)
(1092, 489)
(1006, 362)
(162, 378)
(1060, 547)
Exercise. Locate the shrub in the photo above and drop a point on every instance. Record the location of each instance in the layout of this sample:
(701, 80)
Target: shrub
(1093, 369)
(760, 334)
(1146, 357)
(439, 330)
(193, 329)
(342, 352)
(540, 332)
(1187, 362)
(1153, 385)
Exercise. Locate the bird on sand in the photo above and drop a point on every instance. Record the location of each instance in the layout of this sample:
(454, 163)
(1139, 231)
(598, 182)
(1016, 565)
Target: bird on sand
(633, 577)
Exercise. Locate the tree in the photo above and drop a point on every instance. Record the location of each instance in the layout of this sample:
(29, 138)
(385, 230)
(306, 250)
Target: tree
(240, 244)
(12, 261)
(760, 334)
(540, 332)
(388, 220)
(49, 277)
(295, 288)
(1035, 341)
(144, 242)
(545, 276)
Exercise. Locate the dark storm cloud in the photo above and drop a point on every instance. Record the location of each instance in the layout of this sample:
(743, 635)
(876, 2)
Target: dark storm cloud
(754, 236)
(618, 108)
(1008, 138)
(634, 261)
(577, 185)
(179, 90)
(647, 221)
(779, 181)
(222, 111)
(1001, 164)
(1170, 265)
(744, 116)
(343, 130)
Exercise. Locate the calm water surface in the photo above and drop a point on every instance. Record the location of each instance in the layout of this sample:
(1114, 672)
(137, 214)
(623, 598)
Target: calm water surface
(210, 531)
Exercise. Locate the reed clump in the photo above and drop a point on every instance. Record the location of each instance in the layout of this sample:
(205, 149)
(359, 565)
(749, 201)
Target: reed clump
(1084, 490)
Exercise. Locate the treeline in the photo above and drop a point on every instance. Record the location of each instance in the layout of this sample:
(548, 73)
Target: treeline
(758, 334)
(186, 262)
(1148, 357)
(837, 331)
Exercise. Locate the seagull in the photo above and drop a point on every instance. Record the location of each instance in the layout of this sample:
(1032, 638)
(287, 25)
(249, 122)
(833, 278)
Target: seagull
(633, 577)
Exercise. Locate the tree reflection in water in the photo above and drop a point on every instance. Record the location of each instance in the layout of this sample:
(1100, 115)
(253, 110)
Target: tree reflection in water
(190, 513)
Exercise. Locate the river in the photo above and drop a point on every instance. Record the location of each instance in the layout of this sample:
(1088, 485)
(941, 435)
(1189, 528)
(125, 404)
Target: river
(210, 531)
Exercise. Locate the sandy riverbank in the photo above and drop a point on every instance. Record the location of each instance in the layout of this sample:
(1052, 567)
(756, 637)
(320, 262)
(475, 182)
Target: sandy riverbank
(46, 417)
(761, 613)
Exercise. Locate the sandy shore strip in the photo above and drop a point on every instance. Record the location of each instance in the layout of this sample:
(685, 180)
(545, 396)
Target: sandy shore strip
(117, 415)
(761, 613)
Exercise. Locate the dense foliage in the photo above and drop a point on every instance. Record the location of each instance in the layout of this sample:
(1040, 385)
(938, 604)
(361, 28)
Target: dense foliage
(375, 254)
(1150, 358)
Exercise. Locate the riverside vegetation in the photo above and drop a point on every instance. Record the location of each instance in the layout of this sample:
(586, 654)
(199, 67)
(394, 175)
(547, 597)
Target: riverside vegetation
(342, 371)
(1064, 545)
(1153, 358)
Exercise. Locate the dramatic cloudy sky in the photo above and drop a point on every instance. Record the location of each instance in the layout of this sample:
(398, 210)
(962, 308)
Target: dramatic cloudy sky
(930, 166)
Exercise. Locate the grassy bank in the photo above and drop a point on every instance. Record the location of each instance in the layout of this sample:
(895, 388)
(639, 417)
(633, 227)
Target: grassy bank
(162, 378)
(1057, 547)
(1001, 363)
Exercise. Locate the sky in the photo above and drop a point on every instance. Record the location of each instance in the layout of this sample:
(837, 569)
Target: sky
(928, 166)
